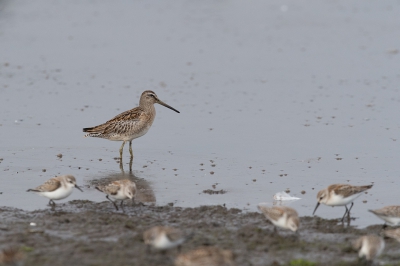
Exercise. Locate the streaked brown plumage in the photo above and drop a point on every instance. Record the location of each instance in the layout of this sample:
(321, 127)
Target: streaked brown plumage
(340, 195)
(390, 214)
(56, 188)
(206, 256)
(130, 124)
(119, 190)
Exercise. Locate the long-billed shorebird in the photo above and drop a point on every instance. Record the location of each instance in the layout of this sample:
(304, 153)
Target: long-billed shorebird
(340, 195)
(119, 190)
(57, 188)
(390, 214)
(281, 216)
(130, 124)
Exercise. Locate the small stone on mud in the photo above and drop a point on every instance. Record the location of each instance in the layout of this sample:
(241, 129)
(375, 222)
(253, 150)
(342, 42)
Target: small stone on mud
(303, 192)
(364, 201)
(43, 170)
(287, 190)
(100, 160)
(59, 155)
(254, 180)
(212, 172)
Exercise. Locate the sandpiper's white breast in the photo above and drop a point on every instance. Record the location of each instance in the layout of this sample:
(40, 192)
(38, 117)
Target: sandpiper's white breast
(339, 200)
(60, 193)
(162, 242)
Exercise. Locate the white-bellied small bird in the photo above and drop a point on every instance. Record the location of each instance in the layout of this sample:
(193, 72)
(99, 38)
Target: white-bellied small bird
(165, 237)
(206, 256)
(281, 216)
(390, 214)
(57, 188)
(130, 124)
(340, 195)
(369, 247)
(119, 190)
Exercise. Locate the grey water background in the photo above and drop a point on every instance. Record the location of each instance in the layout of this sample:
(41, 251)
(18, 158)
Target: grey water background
(273, 95)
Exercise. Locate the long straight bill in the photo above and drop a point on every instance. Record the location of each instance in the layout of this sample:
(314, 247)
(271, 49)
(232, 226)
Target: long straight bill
(166, 105)
(315, 208)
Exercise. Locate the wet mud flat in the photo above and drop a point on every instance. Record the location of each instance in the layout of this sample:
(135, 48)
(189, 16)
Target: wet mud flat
(88, 233)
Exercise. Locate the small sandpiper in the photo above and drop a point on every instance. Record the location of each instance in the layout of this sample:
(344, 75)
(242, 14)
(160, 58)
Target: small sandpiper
(340, 195)
(119, 190)
(57, 188)
(210, 256)
(281, 216)
(370, 246)
(390, 214)
(130, 124)
(164, 237)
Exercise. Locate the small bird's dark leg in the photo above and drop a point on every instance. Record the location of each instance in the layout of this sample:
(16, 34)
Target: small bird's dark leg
(52, 203)
(348, 213)
(344, 213)
(275, 230)
(384, 226)
(121, 149)
(130, 149)
(130, 165)
(115, 205)
(122, 205)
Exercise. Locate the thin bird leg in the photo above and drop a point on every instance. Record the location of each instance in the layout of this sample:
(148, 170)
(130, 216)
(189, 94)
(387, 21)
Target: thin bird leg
(115, 205)
(275, 230)
(122, 206)
(344, 213)
(121, 149)
(130, 165)
(130, 148)
(52, 203)
(348, 213)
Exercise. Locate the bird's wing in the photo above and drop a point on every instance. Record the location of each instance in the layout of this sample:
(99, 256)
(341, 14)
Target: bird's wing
(348, 190)
(48, 186)
(119, 124)
(273, 213)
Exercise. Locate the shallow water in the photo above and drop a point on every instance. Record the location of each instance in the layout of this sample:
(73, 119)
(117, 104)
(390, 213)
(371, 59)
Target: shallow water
(272, 97)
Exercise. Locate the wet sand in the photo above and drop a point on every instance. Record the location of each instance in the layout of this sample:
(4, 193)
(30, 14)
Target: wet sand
(88, 233)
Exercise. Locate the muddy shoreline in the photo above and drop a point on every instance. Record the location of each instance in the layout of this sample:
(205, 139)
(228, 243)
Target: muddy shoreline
(88, 233)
